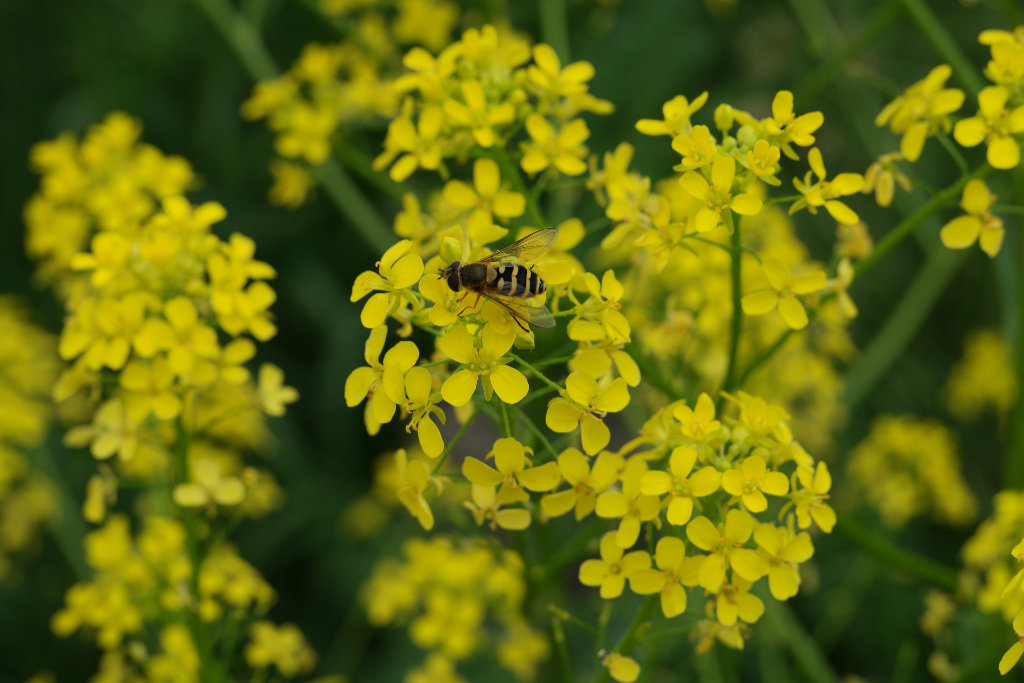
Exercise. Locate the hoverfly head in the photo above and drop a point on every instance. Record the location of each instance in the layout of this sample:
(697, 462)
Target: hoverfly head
(452, 276)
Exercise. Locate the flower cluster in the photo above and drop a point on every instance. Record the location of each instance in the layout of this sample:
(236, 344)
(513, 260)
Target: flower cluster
(161, 318)
(927, 108)
(28, 358)
(457, 599)
(984, 378)
(331, 86)
(907, 467)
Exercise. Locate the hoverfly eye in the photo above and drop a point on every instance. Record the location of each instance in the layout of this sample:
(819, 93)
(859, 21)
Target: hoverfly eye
(452, 276)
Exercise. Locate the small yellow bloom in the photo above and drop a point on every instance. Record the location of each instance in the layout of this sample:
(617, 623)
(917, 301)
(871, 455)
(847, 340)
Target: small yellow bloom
(826, 192)
(481, 357)
(921, 110)
(752, 481)
(676, 115)
(995, 125)
(614, 568)
(782, 293)
(675, 572)
(725, 545)
(979, 225)
(629, 505)
(586, 482)
(486, 200)
(398, 270)
(512, 473)
(622, 668)
(486, 506)
(783, 550)
(698, 423)
(586, 404)
(684, 486)
(563, 149)
(718, 196)
(478, 115)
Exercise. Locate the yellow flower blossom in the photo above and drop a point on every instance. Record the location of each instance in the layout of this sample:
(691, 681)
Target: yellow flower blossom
(477, 115)
(978, 225)
(486, 199)
(921, 110)
(486, 506)
(809, 499)
(413, 480)
(826, 192)
(683, 485)
(725, 545)
(698, 423)
(419, 388)
(585, 405)
(676, 115)
(995, 125)
(416, 146)
(718, 196)
(292, 184)
(512, 473)
(587, 482)
(280, 646)
(614, 568)
(629, 504)
(674, 574)
(985, 377)
(782, 293)
(697, 147)
(621, 668)
(882, 177)
(783, 550)
(398, 269)
(734, 602)
(752, 480)
(383, 381)
(563, 149)
(482, 357)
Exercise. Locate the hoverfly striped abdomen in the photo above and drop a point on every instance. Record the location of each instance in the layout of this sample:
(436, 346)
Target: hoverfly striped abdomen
(517, 281)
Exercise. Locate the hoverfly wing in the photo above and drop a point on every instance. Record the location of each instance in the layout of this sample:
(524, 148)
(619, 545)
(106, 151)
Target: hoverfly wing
(523, 314)
(527, 249)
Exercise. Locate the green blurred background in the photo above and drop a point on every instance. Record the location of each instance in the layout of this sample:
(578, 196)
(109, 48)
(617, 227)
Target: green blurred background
(67, 63)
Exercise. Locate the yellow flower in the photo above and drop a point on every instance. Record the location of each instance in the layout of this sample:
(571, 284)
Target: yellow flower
(292, 184)
(419, 145)
(413, 480)
(676, 115)
(995, 125)
(630, 504)
(272, 392)
(696, 146)
(180, 333)
(611, 571)
(149, 388)
(398, 270)
(486, 506)
(761, 417)
(586, 404)
(563, 149)
(675, 572)
(512, 473)
(735, 602)
(979, 225)
(477, 115)
(485, 362)
(826, 192)
(810, 498)
(620, 667)
(718, 196)
(486, 199)
(883, 176)
(209, 482)
(698, 423)
(921, 110)
(763, 161)
(383, 382)
(752, 481)
(586, 482)
(785, 127)
(551, 80)
(684, 486)
(782, 293)
(281, 646)
(418, 387)
(599, 318)
(724, 543)
(783, 550)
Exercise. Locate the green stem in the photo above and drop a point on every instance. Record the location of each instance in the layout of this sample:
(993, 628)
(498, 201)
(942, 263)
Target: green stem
(451, 444)
(944, 44)
(558, 635)
(896, 557)
(532, 426)
(67, 525)
(766, 354)
(243, 38)
(506, 423)
(736, 329)
(948, 197)
(902, 324)
(629, 638)
(536, 373)
(564, 615)
(780, 620)
(554, 27)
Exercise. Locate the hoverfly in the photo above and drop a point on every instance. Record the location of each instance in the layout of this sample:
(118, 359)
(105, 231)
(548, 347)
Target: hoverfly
(504, 278)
